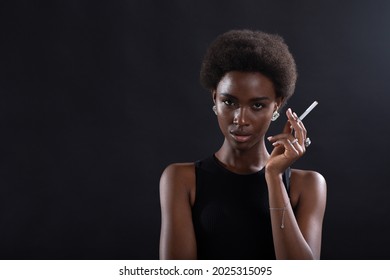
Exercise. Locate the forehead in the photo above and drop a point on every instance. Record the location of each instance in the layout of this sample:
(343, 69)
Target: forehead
(246, 83)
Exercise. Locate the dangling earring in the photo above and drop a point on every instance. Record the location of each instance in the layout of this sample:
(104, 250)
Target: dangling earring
(215, 110)
(275, 116)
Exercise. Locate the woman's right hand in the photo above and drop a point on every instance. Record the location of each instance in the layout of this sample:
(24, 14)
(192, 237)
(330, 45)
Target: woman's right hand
(288, 146)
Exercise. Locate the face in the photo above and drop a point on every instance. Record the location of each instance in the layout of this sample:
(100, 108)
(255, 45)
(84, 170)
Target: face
(245, 103)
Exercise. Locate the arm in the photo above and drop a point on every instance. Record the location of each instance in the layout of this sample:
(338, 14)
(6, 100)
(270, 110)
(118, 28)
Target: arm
(300, 238)
(177, 185)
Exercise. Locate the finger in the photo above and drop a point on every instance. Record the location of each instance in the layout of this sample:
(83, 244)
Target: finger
(281, 136)
(286, 138)
(291, 151)
(295, 143)
(287, 127)
(303, 130)
(297, 125)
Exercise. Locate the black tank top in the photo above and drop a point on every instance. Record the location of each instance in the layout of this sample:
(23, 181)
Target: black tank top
(231, 213)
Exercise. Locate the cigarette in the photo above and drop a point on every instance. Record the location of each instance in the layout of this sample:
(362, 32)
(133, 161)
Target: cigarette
(308, 110)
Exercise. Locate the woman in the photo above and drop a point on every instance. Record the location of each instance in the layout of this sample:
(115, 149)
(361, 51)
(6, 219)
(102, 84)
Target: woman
(242, 202)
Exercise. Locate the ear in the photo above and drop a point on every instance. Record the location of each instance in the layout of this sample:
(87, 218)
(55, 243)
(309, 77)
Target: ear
(279, 102)
(214, 93)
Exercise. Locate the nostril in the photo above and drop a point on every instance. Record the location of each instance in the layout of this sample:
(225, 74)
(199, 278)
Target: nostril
(239, 117)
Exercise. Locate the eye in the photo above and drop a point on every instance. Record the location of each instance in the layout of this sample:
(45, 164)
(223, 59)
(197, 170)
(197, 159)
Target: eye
(229, 102)
(258, 106)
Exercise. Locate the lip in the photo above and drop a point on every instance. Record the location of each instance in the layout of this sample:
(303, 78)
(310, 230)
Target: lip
(240, 136)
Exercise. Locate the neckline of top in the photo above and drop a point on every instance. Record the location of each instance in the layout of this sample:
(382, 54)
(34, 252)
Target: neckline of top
(223, 168)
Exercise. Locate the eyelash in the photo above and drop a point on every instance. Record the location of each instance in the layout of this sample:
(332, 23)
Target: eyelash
(230, 103)
(258, 108)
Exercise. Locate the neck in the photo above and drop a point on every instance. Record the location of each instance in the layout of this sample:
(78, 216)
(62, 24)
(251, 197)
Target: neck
(243, 161)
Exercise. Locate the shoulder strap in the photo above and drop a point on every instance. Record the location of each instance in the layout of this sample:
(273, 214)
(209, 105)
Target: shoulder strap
(286, 179)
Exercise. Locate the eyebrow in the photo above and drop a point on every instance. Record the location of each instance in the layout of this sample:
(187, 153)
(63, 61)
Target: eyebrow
(253, 99)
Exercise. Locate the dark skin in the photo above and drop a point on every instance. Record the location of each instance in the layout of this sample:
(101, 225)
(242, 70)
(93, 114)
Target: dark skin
(245, 102)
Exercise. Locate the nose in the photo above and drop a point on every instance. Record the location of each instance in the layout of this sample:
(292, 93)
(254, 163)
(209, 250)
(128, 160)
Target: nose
(240, 117)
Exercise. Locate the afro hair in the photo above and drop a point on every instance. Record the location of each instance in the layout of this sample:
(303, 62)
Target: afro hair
(250, 51)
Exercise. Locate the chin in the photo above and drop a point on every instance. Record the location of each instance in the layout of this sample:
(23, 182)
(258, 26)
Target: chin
(242, 146)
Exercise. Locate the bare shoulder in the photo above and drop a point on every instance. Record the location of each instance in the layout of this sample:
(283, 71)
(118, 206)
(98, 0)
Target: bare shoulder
(178, 172)
(177, 240)
(178, 178)
(308, 185)
(308, 177)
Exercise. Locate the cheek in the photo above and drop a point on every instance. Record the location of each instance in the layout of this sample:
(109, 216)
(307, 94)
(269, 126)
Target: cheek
(224, 121)
(264, 124)
(261, 122)
(225, 115)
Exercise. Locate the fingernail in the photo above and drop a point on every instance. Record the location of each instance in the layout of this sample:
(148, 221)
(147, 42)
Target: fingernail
(269, 138)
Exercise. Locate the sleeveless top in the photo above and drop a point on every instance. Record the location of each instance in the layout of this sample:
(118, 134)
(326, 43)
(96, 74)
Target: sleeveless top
(230, 214)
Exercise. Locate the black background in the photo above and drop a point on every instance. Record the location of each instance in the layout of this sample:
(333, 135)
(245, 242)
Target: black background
(97, 97)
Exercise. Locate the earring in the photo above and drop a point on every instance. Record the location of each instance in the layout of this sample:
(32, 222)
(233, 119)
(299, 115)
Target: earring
(215, 110)
(275, 116)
